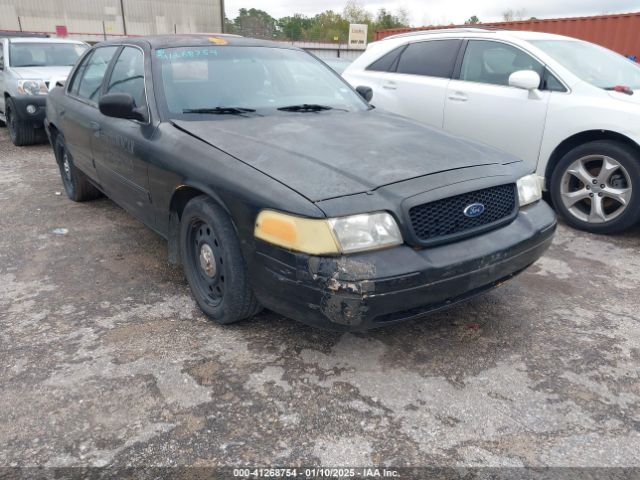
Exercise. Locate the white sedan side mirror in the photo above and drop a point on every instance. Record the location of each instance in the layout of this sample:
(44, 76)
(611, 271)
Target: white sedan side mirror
(525, 79)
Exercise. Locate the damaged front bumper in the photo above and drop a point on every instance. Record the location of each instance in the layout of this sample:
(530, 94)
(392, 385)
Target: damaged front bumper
(372, 289)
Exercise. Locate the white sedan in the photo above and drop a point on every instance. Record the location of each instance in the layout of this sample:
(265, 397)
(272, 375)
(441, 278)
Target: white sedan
(568, 107)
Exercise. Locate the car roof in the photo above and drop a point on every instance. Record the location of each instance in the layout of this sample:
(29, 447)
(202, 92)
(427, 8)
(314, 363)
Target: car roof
(43, 40)
(472, 32)
(196, 39)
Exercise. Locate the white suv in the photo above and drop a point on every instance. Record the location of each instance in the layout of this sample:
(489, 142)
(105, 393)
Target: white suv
(569, 108)
(29, 68)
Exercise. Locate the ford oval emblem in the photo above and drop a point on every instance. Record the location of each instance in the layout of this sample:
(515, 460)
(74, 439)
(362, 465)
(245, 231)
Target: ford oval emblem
(474, 210)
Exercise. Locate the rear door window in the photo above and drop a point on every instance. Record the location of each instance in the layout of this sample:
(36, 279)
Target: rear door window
(387, 63)
(435, 58)
(91, 74)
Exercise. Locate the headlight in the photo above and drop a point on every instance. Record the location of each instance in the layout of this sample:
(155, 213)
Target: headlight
(529, 189)
(32, 87)
(366, 232)
(356, 233)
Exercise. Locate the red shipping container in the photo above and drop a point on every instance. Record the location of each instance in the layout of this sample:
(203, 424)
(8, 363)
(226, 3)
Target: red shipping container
(618, 32)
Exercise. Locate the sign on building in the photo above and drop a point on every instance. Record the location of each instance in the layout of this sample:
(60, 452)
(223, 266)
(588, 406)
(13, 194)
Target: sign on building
(358, 36)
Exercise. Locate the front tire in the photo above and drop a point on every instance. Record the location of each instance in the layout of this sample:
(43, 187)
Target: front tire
(213, 263)
(21, 133)
(596, 187)
(76, 184)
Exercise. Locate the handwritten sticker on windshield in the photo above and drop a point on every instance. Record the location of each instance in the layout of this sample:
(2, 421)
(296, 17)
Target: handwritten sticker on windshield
(181, 54)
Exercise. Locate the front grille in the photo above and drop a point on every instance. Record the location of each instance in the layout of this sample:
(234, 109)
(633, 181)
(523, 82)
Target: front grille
(444, 220)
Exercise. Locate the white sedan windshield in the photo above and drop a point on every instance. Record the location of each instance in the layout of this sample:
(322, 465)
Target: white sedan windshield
(592, 63)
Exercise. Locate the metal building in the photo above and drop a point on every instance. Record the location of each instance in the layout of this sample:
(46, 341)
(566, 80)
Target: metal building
(94, 20)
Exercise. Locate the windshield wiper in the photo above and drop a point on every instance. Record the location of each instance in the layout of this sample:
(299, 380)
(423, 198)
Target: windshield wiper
(305, 107)
(220, 110)
(620, 89)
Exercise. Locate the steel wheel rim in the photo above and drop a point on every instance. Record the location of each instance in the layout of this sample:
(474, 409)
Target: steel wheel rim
(65, 171)
(66, 166)
(205, 255)
(596, 189)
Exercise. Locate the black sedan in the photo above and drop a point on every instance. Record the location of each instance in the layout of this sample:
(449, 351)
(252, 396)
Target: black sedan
(278, 186)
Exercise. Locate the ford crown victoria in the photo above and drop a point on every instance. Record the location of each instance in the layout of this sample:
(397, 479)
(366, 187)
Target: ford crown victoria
(278, 186)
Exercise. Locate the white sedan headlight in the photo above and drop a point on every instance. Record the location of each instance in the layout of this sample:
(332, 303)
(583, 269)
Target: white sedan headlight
(32, 87)
(529, 189)
(355, 233)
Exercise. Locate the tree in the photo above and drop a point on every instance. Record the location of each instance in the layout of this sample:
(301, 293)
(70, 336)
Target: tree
(229, 25)
(512, 15)
(402, 14)
(385, 19)
(473, 20)
(327, 26)
(255, 23)
(355, 13)
(294, 27)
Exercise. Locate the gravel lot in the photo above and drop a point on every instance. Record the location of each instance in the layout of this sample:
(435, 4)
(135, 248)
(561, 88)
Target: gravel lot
(106, 360)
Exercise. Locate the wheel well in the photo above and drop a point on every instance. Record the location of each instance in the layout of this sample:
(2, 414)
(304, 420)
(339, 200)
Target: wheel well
(179, 201)
(580, 139)
(181, 197)
(53, 131)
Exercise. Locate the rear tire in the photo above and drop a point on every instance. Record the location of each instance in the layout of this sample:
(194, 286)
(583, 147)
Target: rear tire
(213, 263)
(21, 133)
(76, 184)
(596, 187)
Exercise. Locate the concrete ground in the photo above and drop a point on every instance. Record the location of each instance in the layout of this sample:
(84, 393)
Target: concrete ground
(106, 360)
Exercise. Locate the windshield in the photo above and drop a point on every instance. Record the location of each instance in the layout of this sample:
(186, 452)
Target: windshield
(45, 54)
(592, 63)
(263, 79)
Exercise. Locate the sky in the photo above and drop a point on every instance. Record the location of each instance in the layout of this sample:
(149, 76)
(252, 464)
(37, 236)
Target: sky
(431, 12)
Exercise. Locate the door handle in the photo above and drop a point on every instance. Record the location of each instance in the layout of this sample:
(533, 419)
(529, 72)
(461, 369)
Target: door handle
(390, 85)
(95, 126)
(62, 112)
(458, 97)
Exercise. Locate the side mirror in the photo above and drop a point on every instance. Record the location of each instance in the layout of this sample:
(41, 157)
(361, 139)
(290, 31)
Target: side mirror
(121, 105)
(365, 92)
(525, 79)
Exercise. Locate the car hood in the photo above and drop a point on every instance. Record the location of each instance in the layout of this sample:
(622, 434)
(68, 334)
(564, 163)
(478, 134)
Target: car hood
(333, 154)
(47, 74)
(635, 98)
